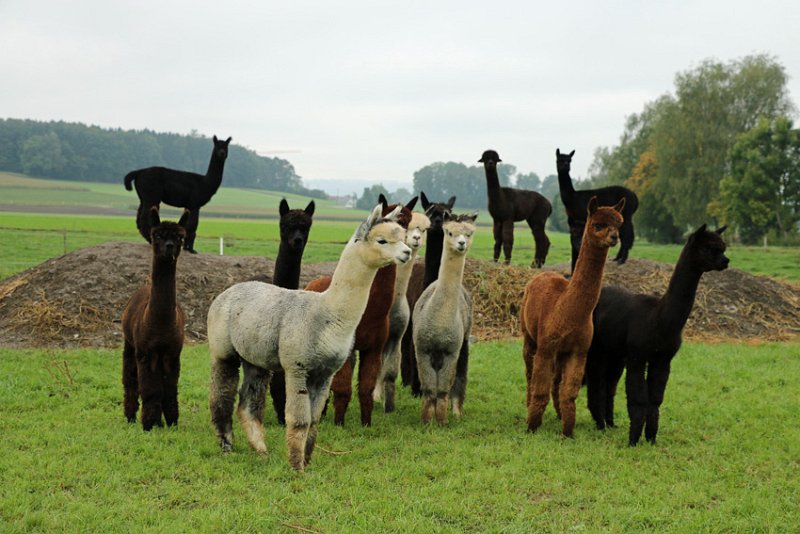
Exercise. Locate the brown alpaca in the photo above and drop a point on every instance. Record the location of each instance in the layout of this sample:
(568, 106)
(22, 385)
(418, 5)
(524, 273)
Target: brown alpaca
(152, 325)
(556, 321)
(371, 334)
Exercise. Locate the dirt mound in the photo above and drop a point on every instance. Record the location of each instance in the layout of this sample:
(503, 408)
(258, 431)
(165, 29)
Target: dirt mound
(77, 299)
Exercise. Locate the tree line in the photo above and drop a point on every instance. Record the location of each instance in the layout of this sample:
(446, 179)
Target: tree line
(75, 151)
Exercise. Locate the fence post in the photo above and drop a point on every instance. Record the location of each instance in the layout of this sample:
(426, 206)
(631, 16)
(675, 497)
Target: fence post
(64, 233)
(221, 245)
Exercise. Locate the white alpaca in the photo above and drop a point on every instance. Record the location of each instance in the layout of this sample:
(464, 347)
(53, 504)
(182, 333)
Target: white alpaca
(399, 315)
(307, 334)
(442, 322)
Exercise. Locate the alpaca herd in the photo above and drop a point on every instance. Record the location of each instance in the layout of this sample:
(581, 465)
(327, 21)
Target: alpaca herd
(392, 315)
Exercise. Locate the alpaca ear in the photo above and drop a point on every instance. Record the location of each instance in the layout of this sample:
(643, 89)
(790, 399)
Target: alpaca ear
(184, 220)
(471, 217)
(720, 230)
(215, 139)
(364, 228)
(394, 215)
(592, 206)
(310, 208)
(619, 206)
(424, 200)
(700, 230)
(411, 203)
(283, 209)
(228, 140)
(571, 154)
(383, 201)
(451, 202)
(155, 220)
(447, 216)
(558, 153)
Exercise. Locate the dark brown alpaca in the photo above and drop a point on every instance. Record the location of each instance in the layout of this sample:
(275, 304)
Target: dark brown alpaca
(295, 226)
(507, 205)
(152, 326)
(371, 334)
(556, 321)
(575, 203)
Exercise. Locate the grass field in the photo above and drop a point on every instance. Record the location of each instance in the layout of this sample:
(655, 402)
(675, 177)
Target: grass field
(726, 461)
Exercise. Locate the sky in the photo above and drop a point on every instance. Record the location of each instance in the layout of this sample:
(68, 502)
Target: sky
(371, 91)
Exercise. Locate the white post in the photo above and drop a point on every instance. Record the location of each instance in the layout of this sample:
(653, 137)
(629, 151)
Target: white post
(221, 245)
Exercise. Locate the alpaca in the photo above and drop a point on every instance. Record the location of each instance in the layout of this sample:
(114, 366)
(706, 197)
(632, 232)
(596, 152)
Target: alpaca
(507, 205)
(399, 316)
(181, 189)
(575, 203)
(307, 334)
(643, 333)
(371, 333)
(152, 326)
(556, 320)
(294, 227)
(442, 322)
(421, 277)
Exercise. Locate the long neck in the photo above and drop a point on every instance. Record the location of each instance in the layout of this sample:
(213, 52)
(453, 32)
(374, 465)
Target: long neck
(451, 273)
(676, 304)
(433, 255)
(350, 285)
(213, 177)
(287, 267)
(492, 183)
(587, 278)
(163, 292)
(565, 186)
(404, 275)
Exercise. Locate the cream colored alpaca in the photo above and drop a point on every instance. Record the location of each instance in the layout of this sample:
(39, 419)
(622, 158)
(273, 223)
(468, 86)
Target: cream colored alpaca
(307, 334)
(442, 322)
(399, 315)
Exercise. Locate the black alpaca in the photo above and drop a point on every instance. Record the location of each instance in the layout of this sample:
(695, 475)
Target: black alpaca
(507, 205)
(575, 203)
(643, 333)
(294, 225)
(421, 277)
(152, 326)
(181, 189)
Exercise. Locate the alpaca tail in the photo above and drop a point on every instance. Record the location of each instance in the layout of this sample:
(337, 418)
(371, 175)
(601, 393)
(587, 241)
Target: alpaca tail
(129, 180)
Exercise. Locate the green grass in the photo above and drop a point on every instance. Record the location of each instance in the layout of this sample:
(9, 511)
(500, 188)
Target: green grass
(726, 461)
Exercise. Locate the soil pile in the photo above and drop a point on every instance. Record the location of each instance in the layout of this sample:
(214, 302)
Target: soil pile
(76, 300)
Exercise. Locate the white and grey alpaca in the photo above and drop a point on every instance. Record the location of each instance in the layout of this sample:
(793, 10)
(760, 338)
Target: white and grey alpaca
(307, 334)
(399, 316)
(442, 322)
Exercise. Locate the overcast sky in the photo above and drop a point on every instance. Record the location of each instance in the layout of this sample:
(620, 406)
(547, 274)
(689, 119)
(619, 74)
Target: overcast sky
(373, 90)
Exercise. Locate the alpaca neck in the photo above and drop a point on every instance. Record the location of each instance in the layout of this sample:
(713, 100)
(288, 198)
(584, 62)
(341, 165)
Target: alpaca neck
(163, 292)
(565, 186)
(213, 177)
(451, 274)
(350, 285)
(492, 185)
(676, 304)
(433, 255)
(587, 278)
(403, 276)
(287, 267)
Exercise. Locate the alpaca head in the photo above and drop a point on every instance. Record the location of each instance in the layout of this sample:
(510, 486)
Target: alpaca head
(167, 237)
(705, 250)
(381, 239)
(221, 148)
(602, 223)
(295, 225)
(404, 219)
(436, 211)
(563, 161)
(415, 235)
(490, 158)
(458, 232)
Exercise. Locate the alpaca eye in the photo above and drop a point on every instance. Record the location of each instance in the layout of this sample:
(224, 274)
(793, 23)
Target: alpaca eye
(382, 241)
(600, 226)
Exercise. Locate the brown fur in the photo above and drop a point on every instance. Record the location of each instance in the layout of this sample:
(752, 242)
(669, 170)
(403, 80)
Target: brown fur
(152, 325)
(556, 321)
(371, 335)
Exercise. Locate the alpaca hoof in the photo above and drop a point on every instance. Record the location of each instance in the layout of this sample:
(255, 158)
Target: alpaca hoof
(225, 445)
(620, 261)
(191, 251)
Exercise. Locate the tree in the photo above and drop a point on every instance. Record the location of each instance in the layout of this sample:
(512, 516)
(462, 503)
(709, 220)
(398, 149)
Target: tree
(369, 198)
(558, 219)
(530, 181)
(653, 221)
(762, 190)
(41, 155)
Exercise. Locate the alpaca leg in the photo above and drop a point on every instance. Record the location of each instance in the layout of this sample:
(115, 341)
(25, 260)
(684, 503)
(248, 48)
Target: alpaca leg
(252, 397)
(427, 377)
(540, 383)
(368, 369)
(143, 218)
(318, 397)
(558, 373)
(151, 389)
(636, 390)
(130, 383)
(298, 418)
(191, 229)
(657, 376)
(528, 351)
(458, 392)
(570, 387)
(407, 364)
(597, 389)
(221, 398)
(575, 238)
(497, 232)
(541, 242)
(612, 379)
(625, 242)
(508, 240)
(391, 366)
(171, 370)
(342, 387)
(416, 385)
(277, 390)
(440, 410)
